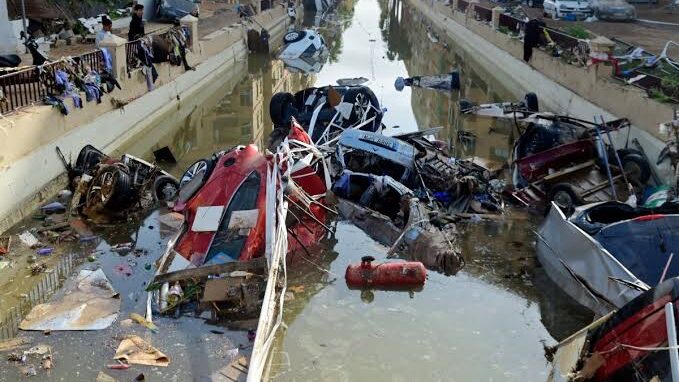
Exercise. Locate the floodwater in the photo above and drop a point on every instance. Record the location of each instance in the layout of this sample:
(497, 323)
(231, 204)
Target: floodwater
(487, 323)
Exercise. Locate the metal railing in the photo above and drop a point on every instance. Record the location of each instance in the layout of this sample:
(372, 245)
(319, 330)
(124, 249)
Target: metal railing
(39, 294)
(26, 87)
(511, 23)
(132, 47)
(483, 13)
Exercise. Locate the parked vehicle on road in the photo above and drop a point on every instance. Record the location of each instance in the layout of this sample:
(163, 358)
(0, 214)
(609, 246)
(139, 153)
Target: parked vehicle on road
(613, 10)
(567, 9)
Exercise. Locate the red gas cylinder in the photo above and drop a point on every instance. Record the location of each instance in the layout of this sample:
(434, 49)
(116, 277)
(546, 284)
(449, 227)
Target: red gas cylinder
(401, 275)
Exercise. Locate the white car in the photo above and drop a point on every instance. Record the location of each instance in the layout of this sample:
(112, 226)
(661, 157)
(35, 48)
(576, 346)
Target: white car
(302, 44)
(559, 9)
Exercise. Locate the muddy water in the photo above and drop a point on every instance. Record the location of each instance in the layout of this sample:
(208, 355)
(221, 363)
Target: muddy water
(488, 322)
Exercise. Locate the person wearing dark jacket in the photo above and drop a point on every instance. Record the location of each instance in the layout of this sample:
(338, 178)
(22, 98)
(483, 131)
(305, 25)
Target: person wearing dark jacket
(532, 38)
(137, 23)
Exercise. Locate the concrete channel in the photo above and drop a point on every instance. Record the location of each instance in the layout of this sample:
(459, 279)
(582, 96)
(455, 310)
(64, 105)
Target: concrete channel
(490, 321)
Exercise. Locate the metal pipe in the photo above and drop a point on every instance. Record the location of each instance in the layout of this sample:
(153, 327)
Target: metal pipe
(602, 147)
(672, 340)
(23, 21)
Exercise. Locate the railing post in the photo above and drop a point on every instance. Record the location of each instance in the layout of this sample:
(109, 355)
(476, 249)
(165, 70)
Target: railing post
(192, 23)
(497, 12)
(116, 47)
(454, 5)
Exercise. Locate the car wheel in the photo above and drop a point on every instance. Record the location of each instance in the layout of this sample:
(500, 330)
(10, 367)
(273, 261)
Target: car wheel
(111, 188)
(564, 196)
(165, 188)
(293, 36)
(365, 106)
(202, 167)
(636, 168)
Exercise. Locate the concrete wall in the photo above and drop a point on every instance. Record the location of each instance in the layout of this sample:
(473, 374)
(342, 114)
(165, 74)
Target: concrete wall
(7, 42)
(30, 171)
(584, 93)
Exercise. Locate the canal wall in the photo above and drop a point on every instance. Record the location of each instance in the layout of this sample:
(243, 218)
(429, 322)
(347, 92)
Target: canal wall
(30, 170)
(584, 93)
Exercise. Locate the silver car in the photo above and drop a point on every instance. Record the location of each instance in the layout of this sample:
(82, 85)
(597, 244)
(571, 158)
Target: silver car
(614, 10)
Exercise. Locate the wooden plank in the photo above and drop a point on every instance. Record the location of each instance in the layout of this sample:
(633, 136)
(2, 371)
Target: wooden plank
(568, 171)
(254, 266)
(600, 186)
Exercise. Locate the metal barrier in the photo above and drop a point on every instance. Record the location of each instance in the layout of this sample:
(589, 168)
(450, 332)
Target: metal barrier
(483, 13)
(39, 294)
(561, 39)
(26, 87)
(131, 54)
(511, 23)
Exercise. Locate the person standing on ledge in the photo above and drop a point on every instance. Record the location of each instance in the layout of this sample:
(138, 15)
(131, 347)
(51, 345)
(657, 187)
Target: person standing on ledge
(531, 37)
(137, 23)
(107, 25)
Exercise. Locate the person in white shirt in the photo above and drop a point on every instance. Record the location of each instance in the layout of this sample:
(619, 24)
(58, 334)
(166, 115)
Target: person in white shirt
(105, 31)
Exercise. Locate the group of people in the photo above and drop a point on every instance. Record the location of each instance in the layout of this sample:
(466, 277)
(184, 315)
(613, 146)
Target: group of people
(136, 26)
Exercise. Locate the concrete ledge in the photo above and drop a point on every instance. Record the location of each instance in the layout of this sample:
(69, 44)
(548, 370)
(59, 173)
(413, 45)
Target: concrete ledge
(584, 93)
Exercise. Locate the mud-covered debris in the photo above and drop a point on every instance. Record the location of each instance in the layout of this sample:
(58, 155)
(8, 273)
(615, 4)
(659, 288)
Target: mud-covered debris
(134, 350)
(37, 269)
(29, 239)
(144, 322)
(5, 244)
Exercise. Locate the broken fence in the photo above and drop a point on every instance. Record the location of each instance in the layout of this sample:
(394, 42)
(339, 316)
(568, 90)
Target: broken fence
(48, 284)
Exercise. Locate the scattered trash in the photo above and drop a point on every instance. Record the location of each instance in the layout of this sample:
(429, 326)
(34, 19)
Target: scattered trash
(135, 350)
(89, 303)
(118, 366)
(29, 239)
(103, 377)
(123, 247)
(53, 208)
(5, 244)
(123, 269)
(45, 251)
(142, 321)
(37, 269)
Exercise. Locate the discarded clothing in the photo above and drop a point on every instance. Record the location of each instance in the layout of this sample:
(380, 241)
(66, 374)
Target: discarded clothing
(56, 103)
(135, 350)
(108, 61)
(92, 92)
(145, 57)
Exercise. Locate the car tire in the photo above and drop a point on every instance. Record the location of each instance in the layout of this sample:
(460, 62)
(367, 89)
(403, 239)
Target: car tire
(111, 189)
(531, 102)
(565, 196)
(636, 168)
(204, 166)
(280, 108)
(165, 188)
(293, 36)
(364, 94)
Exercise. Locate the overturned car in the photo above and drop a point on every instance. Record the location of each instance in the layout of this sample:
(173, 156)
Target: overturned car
(327, 111)
(106, 187)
